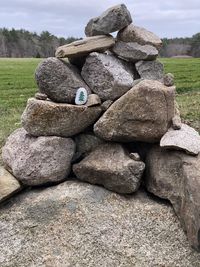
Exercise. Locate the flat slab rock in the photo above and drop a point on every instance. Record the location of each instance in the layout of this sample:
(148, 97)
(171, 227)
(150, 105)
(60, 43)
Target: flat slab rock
(175, 176)
(8, 184)
(59, 80)
(107, 76)
(45, 118)
(77, 224)
(134, 52)
(113, 19)
(38, 160)
(144, 113)
(186, 139)
(109, 165)
(85, 46)
(142, 36)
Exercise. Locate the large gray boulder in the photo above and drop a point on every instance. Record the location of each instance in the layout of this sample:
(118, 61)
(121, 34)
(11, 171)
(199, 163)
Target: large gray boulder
(36, 161)
(65, 120)
(133, 33)
(107, 76)
(85, 46)
(176, 176)
(134, 52)
(110, 165)
(152, 70)
(59, 80)
(77, 224)
(144, 113)
(8, 184)
(186, 139)
(113, 19)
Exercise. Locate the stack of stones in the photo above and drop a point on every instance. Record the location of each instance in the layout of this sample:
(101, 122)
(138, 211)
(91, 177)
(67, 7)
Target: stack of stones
(107, 115)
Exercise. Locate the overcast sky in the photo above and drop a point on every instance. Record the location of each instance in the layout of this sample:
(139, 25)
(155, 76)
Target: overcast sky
(171, 18)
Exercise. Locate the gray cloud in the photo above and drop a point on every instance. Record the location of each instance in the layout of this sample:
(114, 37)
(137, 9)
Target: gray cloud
(68, 17)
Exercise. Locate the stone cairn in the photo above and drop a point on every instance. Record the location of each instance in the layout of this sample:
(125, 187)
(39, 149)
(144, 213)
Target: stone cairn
(107, 115)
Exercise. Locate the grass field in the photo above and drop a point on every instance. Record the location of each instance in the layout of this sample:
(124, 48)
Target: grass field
(17, 85)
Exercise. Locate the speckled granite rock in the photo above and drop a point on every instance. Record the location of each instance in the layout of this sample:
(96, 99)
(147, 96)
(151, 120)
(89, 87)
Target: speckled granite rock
(133, 33)
(49, 118)
(77, 224)
(152, 70)
(107, 76)
(144, 113)
(110, 165)
(175, 176)
(134, 52)
(38, 160)
(113, 19)
(59, 80)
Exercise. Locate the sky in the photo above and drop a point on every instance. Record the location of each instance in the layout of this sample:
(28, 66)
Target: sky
(64, 18)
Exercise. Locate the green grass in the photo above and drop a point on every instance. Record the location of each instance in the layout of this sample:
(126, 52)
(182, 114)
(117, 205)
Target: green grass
(17, 85)
(186, 73)
(187, 80)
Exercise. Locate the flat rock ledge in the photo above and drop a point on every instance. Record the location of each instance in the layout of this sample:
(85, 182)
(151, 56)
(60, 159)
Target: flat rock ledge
(84, 47)
(77, 224)
(45, 118)
(186, 139)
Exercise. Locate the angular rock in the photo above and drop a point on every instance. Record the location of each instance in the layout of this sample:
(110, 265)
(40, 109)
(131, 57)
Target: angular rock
(8, 184)
(110, 165)
(86, 143)
(176, 122)
(114, 230)
(85, 46)
(41, 96)
(93, 100)
(168, 79)
(113, 19)
(59, 80)
(144, 113)
(186, 139)
(176, 176)
(107, 75)
(152, 70)
(133, 33)
(49, 118)
(134, 52)
(36, 161)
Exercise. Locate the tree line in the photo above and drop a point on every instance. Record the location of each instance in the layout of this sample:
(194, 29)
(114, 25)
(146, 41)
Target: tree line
(22, 43)
(181, 46)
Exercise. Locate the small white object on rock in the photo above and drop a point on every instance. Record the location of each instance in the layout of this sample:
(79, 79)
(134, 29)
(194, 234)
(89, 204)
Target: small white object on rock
(186, 139)
(81, 96)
